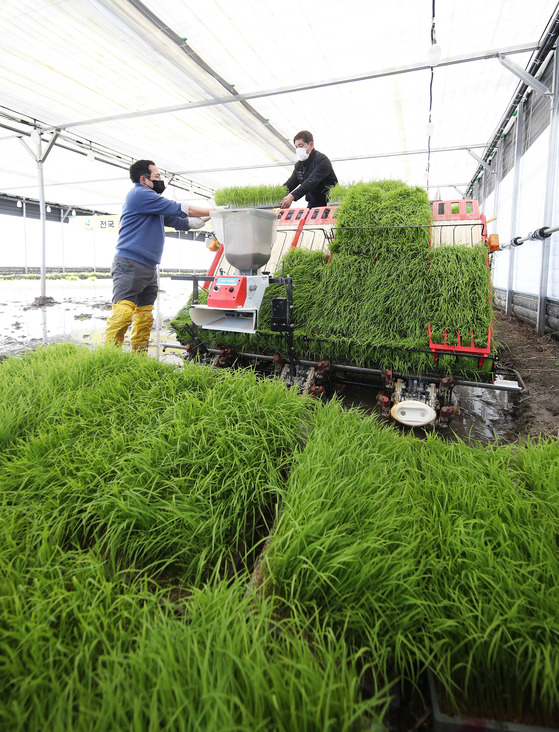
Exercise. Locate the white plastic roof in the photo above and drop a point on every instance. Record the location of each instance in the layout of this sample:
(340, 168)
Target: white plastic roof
(130, 79)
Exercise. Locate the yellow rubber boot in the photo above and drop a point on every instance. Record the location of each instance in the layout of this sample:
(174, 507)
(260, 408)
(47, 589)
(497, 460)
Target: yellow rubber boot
(118, 321)
(141, 327)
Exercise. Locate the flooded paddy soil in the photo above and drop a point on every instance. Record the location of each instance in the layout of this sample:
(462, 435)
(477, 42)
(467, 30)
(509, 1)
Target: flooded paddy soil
(536, 358)
(77, 309)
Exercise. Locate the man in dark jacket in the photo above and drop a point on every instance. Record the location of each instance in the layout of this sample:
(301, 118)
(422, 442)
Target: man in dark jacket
(313, 174)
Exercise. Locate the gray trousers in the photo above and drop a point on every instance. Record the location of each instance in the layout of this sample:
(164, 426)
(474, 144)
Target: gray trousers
(133, 281)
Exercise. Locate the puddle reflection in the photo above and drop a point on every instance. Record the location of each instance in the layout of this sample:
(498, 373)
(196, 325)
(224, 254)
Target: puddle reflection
(485, 415)
(79, 311)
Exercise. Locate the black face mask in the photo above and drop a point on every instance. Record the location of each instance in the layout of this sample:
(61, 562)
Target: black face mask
(158, 186)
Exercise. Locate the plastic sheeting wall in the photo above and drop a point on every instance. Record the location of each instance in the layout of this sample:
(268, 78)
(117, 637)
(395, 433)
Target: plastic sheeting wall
(525, 260)
(530, 216)
(70, 248)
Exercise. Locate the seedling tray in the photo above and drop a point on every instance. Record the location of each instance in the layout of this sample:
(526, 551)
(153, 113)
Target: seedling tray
(445, 723)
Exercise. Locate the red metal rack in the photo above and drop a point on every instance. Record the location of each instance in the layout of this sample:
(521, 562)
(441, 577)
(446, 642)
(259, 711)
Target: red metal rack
(458, 349)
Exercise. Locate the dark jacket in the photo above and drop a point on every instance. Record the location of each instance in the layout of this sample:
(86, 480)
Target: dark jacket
(312, 178)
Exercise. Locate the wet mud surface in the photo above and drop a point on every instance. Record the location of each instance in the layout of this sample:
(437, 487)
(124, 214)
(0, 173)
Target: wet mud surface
(536, 358)
(77, 311)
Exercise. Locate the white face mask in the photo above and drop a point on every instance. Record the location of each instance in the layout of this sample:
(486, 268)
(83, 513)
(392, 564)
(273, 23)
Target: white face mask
(301, 153)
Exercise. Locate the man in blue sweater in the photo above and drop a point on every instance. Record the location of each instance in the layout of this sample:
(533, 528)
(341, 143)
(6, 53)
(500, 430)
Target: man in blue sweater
(139, 249)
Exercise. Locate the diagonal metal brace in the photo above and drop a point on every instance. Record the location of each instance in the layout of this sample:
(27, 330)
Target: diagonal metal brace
(524, 76)
(482, 162)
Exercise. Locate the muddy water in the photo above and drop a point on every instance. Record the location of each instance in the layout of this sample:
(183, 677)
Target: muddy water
(78, 311)
(483, 415)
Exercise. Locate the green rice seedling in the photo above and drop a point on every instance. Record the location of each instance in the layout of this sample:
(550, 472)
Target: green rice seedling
(400, 215)
(459, 294)
(117, 479)
(172, 469)
(369, 302)
(348, 542)
(129, 488)
(432, 555)
(539, 472)
(496, 569)
(252, 672)
(337, 193)
(306, 268)
(83, 647)
(250, 195)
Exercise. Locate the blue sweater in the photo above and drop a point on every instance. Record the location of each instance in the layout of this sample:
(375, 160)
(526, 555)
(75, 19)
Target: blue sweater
(144, 216)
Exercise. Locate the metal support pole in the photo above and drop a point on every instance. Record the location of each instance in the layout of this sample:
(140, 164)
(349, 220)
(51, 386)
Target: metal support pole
(24, 235)
(43, 217)
(62, 237)
(549, 216)
(515, 199)
(499, 154)
(236, 98)
(40, 159)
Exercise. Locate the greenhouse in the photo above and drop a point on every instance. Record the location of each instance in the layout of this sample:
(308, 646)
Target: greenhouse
(279, 365)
